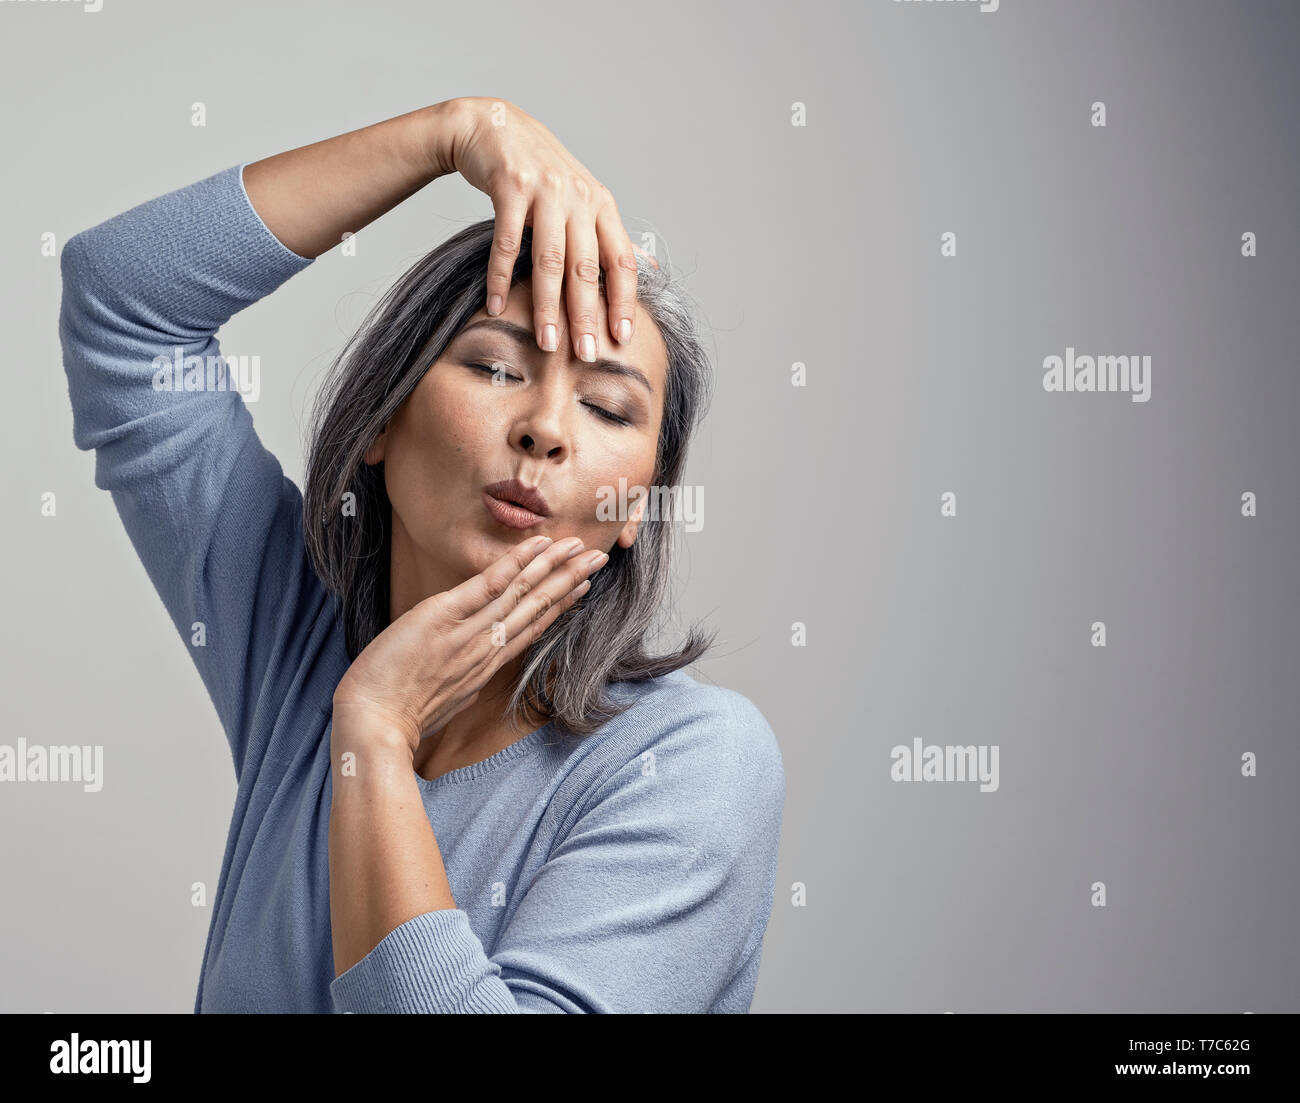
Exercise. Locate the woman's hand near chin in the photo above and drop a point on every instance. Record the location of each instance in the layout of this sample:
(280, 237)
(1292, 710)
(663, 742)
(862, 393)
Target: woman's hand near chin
(432, 661)
(533, 180)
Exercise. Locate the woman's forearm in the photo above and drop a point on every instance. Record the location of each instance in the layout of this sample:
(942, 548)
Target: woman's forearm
(311, 196)
(384, 861)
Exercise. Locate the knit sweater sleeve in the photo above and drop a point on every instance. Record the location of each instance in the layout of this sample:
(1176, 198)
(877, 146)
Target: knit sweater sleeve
(654, 900)
(207, 508)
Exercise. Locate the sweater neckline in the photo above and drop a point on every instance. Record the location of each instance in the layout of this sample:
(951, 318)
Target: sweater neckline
(487, 765)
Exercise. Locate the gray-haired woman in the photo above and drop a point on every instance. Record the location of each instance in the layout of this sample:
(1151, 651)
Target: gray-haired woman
(464, 783)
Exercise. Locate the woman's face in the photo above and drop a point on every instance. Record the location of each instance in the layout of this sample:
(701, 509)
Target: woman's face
(496, 407)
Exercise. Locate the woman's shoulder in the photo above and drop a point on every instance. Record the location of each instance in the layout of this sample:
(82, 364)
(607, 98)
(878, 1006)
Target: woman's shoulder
(679, 698)
(705, 734)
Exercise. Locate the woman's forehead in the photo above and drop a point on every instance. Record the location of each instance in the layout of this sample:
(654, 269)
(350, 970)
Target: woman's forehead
(646, 349)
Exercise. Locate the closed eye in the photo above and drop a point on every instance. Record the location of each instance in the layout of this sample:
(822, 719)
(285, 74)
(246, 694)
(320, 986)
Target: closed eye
(602, 412)
(599, 411)
(492, 369)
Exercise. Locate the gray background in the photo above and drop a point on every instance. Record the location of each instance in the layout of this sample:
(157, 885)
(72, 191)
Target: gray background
(821, 245)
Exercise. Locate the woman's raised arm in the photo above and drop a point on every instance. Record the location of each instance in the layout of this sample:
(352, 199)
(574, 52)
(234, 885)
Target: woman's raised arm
(309, 197)
(208, 509)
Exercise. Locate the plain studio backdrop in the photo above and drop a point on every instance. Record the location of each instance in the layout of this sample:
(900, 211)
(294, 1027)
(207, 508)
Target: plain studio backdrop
(799, 167)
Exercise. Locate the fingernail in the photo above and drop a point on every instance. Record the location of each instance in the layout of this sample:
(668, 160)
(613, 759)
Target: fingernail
(624, 331)
(598, 560)
(587, 348)
(495, 303)
(548, 338)
(575, 550)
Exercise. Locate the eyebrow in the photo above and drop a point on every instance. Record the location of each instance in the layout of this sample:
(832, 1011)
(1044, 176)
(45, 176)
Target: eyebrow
(525, 337)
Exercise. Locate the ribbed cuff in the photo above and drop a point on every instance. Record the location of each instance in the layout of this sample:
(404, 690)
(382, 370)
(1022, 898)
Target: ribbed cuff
(184, 262)
(432, 964)
(293, 261)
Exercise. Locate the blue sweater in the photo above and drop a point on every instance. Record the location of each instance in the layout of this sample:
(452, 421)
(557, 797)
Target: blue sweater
(630, 871)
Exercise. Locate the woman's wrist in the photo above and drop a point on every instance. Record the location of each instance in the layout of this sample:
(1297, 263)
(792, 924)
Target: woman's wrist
(441, 127)
(362, 728)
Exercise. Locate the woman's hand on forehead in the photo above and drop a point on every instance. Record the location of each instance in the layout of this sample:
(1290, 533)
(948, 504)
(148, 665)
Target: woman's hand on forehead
(577, 231)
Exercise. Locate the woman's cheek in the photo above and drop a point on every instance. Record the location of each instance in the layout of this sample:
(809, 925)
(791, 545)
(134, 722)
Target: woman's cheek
(611, 500)
(459, 427)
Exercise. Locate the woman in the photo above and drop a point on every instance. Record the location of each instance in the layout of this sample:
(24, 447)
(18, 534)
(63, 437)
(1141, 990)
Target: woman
(464, 785)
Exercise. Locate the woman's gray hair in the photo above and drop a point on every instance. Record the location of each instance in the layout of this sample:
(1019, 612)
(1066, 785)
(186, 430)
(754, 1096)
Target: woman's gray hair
(347, 514)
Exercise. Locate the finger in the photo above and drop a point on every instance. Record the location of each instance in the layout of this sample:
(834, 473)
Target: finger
(532, 633)
(548, 268)
(582, 285)
(553, 589)
(472, 596)
(505, 589)
(529, 603)
(534, 595)
(511, 209)
(618, 258)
